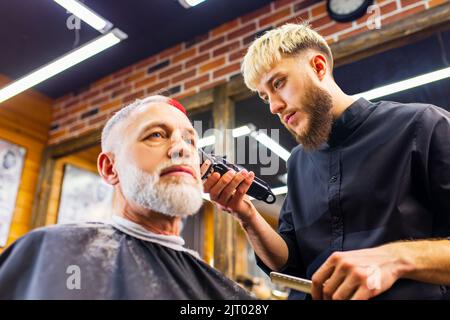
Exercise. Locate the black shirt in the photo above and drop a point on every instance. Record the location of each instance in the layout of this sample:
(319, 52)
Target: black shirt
(383, 176)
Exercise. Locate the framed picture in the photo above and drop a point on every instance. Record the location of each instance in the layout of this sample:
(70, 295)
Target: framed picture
(84, 196)
(11, 165)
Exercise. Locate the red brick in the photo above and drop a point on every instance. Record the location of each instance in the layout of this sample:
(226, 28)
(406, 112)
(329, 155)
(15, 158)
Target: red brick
(197, 60)
(317, 23)
(237, 54)
(303, 16)
(145, 82)
(183, 76)
(123, 72)
(275, 17)
(212, 65)
(112, 85)
(402, 14)
(434, 3)
(170, 71)
(196, 40)
(405, 3)
(102, 81)
(255, 14)
(241, 31)
(319, 10)
(71, 103)
(212, 44)
(335, 28)
(77, 127)
(90, 94)
(384, 9)
(388, 7)
(225, 27)
(170, 51)
(68, 121)
(353, 33)
(99, 100)
(146, 62)
(131, 97)
(282, 3)
(158, 86)
(134, 77)
(97, 119)
(121, 91)
(304, 4)
(110, 105)
(196, 82)
(184, 55)
(78, 108)
(226, 48)
(227, 70)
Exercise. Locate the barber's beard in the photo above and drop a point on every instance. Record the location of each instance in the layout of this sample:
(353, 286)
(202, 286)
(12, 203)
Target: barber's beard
(177, 196)
(317, 105)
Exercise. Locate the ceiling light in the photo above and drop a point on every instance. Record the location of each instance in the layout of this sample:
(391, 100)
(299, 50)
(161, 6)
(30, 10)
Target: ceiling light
(66, 61)
(86, 14)
(190, 3)
(405, 84)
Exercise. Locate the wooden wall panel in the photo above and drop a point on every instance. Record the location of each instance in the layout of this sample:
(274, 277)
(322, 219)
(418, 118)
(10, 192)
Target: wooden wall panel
(25, 121)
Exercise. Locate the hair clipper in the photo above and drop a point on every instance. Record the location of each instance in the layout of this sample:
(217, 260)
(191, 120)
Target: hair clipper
(259, 189)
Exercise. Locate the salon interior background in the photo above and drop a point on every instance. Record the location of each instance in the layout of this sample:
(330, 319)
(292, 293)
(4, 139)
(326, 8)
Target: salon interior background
(193, 55)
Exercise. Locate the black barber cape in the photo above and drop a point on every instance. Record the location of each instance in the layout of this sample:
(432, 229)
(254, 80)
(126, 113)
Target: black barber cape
(116, 260)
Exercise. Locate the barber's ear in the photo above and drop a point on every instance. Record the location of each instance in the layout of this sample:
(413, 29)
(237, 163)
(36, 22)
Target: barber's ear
(319, 65)
(106, 169)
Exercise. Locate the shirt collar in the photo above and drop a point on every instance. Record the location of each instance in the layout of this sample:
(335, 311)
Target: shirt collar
(135, 230)
(349, 120)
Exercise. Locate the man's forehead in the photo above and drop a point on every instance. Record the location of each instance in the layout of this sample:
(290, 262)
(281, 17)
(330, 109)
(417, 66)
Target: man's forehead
(158, 112)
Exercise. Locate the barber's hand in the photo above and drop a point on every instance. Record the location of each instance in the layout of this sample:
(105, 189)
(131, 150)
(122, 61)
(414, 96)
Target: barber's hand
(229, 191)
(357, 275)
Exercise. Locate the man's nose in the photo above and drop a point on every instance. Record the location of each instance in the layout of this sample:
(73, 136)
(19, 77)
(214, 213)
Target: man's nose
(179, 149)
(276, 105)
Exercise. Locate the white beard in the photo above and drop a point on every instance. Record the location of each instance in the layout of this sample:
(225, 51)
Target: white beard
(179, 198)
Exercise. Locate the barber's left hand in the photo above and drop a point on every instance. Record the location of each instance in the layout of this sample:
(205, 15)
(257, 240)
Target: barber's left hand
(357, 275)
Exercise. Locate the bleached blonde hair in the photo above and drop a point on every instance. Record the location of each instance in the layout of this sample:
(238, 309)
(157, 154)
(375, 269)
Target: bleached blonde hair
(285, 41)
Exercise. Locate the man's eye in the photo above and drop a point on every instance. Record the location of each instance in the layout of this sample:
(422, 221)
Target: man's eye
(190, 141)
(155, 135)
(277, 83)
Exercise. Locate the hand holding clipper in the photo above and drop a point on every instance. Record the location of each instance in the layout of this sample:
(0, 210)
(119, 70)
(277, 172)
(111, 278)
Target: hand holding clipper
(259, 189)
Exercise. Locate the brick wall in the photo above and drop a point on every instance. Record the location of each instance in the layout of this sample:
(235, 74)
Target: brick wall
(204, 62)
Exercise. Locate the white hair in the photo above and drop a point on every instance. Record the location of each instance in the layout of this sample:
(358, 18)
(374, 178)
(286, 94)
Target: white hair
(122, 115)
(176, 199)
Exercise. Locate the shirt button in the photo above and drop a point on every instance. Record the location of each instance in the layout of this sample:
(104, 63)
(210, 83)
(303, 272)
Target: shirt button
(333, 179)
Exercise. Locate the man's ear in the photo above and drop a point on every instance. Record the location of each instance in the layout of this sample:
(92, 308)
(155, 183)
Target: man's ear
(105, 166)
(320, 65)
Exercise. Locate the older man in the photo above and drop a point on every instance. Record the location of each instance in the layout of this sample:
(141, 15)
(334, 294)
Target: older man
(149, 155)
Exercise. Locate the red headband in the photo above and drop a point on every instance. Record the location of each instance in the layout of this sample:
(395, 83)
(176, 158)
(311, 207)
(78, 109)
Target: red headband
(177, 105)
